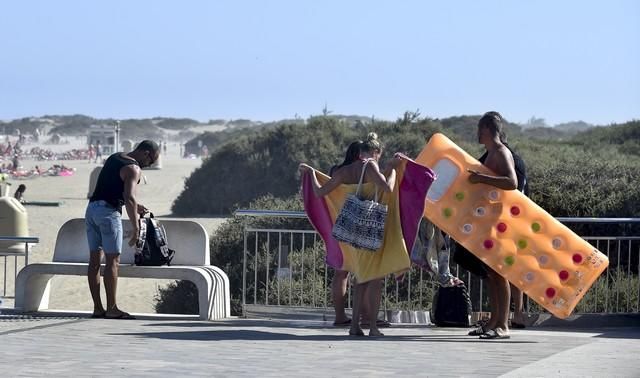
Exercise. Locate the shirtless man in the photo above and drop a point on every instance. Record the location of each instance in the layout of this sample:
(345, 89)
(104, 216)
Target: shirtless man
(499, 160)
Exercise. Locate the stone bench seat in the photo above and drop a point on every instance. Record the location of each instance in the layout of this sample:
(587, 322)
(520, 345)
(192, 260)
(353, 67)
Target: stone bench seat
(191, 262)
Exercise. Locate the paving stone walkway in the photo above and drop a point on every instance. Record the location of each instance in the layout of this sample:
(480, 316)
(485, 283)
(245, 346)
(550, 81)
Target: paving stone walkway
(81, 347)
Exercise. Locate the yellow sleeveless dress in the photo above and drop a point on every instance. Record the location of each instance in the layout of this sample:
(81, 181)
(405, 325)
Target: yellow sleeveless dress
(393, 256)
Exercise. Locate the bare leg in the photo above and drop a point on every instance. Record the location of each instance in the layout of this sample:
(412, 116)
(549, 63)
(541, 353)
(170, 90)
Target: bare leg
(358, 298)
(111, 284)
(493, 303)
(373, 300)
(365, 306)
(93, 277)
(518, 312)
(504, 300)
(339, 293)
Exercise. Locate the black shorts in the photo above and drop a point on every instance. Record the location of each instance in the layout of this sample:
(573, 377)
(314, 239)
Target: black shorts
(470, 262)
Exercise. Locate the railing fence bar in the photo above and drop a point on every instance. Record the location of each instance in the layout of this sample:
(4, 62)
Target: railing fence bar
(411, 293)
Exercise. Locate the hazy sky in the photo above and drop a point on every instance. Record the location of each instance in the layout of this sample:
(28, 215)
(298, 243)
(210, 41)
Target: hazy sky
(268, 60)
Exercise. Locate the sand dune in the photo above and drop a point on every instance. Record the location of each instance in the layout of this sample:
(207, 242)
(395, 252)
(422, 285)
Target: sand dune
(71, 293)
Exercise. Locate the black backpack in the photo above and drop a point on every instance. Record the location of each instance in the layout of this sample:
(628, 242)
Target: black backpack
(521, 170)
(152, 248)
(451, 307)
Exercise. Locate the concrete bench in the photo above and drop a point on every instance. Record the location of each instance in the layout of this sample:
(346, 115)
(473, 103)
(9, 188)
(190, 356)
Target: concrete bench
(191, 262)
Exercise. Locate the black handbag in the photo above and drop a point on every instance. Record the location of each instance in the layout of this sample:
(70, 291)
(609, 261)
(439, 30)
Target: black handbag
(451, 307)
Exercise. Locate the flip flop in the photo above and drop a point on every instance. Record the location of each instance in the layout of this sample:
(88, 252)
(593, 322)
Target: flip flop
(342, 324)
(356, 333)
(493, 334)
(99, 316)
(479, 331)
(123, 315)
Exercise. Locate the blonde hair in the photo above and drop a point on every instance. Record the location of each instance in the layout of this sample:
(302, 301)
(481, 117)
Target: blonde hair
(372, 144)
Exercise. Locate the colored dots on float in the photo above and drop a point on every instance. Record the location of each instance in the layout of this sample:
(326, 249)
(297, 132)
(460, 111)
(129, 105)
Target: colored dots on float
(535, 227)
(480, 211)
(488, 244)
(494, 195)
(556, 243)
(529, 277)
(509, 260)
(522, 244)
(515, 210)
(550, 292)
(460, 196)
(467, 228)
(577, 258)
(564, 275)
(502, 227)
(447, 212)
(543, 259)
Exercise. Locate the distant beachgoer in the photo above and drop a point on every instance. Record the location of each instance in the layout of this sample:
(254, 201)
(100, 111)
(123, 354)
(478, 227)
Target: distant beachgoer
(91, 150)
(19, 194)
(164, 148)
(115, 187)
(16, 162)
(98, 152)
(205, 151)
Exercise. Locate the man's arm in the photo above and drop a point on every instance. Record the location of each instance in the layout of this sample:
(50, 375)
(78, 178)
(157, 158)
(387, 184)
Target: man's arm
(504, 167)
(130, 174)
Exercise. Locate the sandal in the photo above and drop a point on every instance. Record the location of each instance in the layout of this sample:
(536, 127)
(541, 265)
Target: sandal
(479, 331)
(358, 332)
(494, 334)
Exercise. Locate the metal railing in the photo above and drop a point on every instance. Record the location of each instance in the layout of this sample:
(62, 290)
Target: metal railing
(15, 254)
(285, 267)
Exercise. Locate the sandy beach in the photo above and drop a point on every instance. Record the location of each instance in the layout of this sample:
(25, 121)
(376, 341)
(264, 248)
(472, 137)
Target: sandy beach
(158, 194)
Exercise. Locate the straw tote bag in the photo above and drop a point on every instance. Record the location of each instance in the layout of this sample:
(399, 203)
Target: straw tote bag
(361, 222)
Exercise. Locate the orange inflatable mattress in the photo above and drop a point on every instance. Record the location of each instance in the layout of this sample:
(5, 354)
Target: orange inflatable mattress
(508, 231)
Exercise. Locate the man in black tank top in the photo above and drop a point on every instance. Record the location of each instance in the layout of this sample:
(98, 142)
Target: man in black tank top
(116, 187)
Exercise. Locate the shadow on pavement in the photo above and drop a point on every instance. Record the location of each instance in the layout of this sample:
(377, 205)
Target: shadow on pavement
(252, 335)
(273, 323)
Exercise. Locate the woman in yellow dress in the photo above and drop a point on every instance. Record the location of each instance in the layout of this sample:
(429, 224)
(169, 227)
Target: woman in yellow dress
(374, 180)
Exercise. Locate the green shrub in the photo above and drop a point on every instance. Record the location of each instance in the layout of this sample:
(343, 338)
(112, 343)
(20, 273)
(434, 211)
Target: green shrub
(179, 297)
